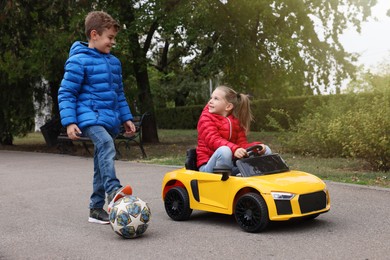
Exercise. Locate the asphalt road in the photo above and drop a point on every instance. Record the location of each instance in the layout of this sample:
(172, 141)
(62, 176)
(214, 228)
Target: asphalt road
(44, 202)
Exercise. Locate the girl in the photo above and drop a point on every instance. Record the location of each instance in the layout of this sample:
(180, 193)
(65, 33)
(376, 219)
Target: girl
(222, 130)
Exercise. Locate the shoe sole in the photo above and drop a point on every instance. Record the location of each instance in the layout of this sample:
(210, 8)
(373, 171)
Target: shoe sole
(125, 191)
(97, 221)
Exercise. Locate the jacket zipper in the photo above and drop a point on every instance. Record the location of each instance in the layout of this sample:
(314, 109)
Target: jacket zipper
(230, 128)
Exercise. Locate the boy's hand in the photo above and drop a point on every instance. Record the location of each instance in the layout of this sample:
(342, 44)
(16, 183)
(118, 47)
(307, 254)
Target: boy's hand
(129, 128)
(73, 131)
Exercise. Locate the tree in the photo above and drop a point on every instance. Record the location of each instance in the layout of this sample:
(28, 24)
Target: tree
(36, 37)
(268, 49)
(376, 80)
(16, 72)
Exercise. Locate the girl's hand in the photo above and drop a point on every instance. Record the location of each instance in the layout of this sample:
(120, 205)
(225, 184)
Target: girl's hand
(262, 151)
(240, 153)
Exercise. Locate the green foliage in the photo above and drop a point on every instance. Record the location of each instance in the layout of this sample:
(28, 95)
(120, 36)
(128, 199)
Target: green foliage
(19, 120)
(353, 125)
(273, 121)
(281, 114)
(356, 126)
(36, 37)
(269, 115)
(273, 49)
(268, 49)
(176, 89)
(17, 74)
(179, 117)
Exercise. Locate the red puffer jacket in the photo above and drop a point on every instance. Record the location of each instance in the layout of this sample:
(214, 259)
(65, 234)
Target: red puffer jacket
(215, 131)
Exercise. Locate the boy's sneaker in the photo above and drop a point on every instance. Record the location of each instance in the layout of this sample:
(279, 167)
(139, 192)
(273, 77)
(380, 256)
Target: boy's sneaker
(98, 215)
(117, 194)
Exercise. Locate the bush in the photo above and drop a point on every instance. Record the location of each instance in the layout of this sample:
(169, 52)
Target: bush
(349, 125)
(355, 125)
(179, 117)
(282, 112)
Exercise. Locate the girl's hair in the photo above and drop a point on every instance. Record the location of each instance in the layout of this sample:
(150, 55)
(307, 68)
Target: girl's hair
(99, 21)
(241, 106)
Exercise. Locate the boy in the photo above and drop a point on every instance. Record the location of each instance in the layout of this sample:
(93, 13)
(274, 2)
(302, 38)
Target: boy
(92, 102)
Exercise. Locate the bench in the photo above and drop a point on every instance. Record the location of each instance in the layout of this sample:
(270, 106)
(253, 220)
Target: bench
(136, 138)
(64, 141)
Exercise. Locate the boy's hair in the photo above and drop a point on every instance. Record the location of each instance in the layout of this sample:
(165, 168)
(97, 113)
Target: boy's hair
(241, 106)
(99, 21)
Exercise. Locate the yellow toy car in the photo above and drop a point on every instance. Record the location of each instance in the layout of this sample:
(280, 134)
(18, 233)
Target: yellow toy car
(265, 190)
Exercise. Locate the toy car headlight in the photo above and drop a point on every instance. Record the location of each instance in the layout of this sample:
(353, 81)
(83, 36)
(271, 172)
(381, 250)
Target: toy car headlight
(282, 195)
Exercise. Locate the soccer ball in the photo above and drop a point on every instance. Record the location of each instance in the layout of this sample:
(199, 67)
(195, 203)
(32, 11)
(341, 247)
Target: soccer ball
(129, 216)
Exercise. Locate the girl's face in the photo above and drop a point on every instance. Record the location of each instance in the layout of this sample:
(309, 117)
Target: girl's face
(104, 42)
(218, 104)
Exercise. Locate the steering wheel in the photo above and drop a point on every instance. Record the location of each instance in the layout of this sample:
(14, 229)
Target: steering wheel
(254, 150)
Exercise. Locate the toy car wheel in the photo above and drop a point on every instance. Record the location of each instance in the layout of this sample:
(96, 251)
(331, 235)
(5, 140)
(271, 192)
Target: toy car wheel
(177, 204)
(251, 212)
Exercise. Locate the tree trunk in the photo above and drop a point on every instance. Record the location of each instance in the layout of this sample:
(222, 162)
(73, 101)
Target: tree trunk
(140, 64)
(149, 129)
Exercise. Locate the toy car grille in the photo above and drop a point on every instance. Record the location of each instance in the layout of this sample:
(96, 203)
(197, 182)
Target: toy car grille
(283, 207)
(312, 201)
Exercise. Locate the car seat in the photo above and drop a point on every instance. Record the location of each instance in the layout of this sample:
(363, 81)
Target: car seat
(190, 163)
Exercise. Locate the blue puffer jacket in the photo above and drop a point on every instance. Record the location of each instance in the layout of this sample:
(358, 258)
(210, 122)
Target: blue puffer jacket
(91, 92)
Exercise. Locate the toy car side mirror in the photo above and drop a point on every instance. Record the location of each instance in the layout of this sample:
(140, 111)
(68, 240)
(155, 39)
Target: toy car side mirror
(225, 171)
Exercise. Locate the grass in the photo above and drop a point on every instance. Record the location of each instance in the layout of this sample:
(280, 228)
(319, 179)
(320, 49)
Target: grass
(173, 145)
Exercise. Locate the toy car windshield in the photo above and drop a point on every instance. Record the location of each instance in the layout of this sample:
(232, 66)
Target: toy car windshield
(262, 165)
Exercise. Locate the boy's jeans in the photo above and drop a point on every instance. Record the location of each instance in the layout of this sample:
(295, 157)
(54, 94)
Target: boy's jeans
(222, 157)
(104, 178)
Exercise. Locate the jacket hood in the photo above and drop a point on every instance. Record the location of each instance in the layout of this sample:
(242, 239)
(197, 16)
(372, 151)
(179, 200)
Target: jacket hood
(81, 47)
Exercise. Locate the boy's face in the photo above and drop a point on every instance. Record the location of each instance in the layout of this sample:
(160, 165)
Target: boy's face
(104, 42)
(218, 103)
